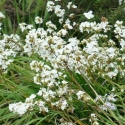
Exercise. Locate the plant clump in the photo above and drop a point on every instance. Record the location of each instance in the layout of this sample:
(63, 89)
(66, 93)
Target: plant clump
(69, 70)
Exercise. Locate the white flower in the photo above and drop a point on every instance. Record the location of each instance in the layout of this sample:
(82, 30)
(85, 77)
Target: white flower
(111, 52)
(22, 26)
(67, 26)
(118, 23)
(32, 96)
(89, 15)
(41, 106)
(37, 79)
(50, 25)
(122, 43)
(87, 26)
(1, 15)
(111, 97)
(93, 115)
(95, 123)
(71, 5)
(58, 11)
(62, 32)
(109, 105)
(61, 20)
(50, 6)
(19, 108)
(38, 20)
(74, 6)
(64, 82)
(64, 105)
(80, 94)
(112, 73)
(29, 27)
(71, 15)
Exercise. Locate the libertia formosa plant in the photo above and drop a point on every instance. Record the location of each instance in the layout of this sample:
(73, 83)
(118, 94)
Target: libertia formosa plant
(68, 70)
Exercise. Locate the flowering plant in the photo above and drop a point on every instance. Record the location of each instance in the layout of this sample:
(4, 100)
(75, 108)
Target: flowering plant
(71, 76)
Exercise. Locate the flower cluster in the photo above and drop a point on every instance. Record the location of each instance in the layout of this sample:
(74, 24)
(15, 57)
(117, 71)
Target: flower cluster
(24, 26)
(89, 15)
(58, 11)
(103, 59)
(55, 92)
(98, 53)
(106, 102)
(1, 17)
(95, 54)
(93, 119)
(56, 8)
(9, 48)
(38, 20)
(21, 108)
